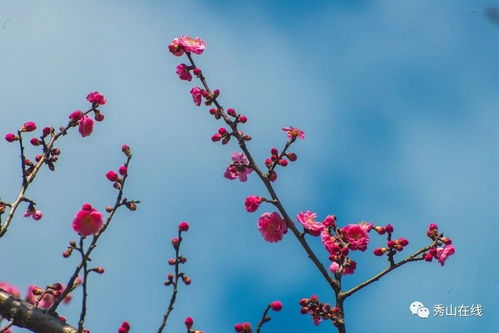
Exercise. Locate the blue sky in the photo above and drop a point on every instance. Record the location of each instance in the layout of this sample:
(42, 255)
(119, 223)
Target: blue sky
(399, 104)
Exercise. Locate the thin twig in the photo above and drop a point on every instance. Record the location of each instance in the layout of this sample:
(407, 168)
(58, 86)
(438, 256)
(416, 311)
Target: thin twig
(175, 285)
(264, 319)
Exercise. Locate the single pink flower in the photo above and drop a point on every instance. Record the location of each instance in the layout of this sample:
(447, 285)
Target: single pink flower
(334, 267)
(307, 219)
(197, 94)
(444, 252)
(86, 126)
(195, 45)
(183, 72)
(10, 289)
(252, 203)
(272, 227)
(239, 168)
(175, 48)
(356, 236)
(88, 221)
(329, 221)
(96, 98)
(294, 133)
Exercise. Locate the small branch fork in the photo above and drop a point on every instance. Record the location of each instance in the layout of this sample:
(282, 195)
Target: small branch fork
(28, 177)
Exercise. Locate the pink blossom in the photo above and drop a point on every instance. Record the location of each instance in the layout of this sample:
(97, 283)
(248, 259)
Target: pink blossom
(96, 98)
(444, 252)
(175, 48)
(356, 236)
(252, 203)
(239, 168)
(86, 126)
(183, 72)
(272, 227)
(294, 133)
(334, 267)
(329, 221)
(88, 221)
(195, 45)
(197, 94)
(307, 219)
(10, 289)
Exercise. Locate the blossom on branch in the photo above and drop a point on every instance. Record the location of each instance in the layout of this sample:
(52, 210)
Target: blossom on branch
(272, 226)
(307, 219)
(88, 221)
(239, 168)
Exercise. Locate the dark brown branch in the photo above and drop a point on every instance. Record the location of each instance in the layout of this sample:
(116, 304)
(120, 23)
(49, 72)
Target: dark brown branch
(28, 316)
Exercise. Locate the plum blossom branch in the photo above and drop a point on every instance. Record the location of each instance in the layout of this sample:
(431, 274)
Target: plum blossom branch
(95, 227)
(264, 178)
(173, 279)
(49, 155)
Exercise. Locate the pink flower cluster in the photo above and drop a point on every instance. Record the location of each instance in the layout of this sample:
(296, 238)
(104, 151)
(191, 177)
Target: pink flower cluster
(337, 241)
(239, 168)
(33, 213)
(319, 311)
(88, 221)
(45, 298)
(186, 44)
(441, 253)
(85, 123)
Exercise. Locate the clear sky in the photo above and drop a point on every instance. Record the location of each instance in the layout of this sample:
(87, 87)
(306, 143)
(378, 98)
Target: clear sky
(399, 102)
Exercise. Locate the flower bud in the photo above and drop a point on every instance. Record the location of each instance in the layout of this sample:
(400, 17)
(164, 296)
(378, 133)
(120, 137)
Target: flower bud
(183, 226)
(11, 137)
(28, 127)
